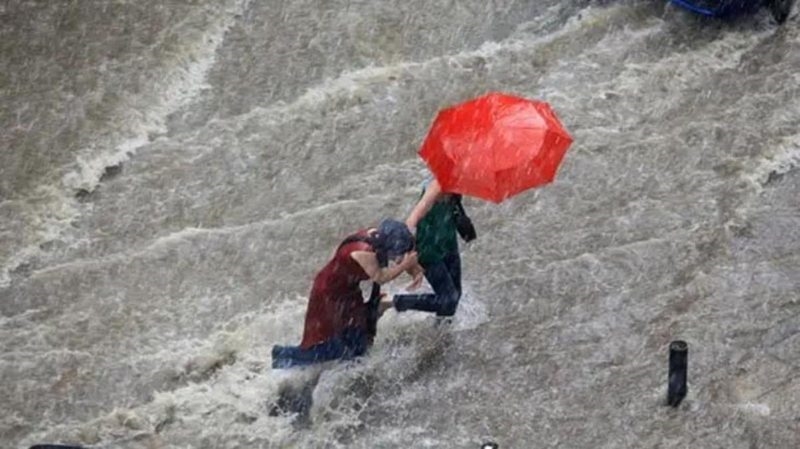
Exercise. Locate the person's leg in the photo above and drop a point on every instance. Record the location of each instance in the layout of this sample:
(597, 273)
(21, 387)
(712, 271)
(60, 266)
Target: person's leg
(440, 302)
(355, 342)
(452, 262)
(352, 342)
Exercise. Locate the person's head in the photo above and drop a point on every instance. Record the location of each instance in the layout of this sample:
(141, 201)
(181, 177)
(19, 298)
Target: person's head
(393, 240)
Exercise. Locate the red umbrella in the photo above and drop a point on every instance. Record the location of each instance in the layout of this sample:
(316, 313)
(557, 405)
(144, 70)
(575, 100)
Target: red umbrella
(495, 146)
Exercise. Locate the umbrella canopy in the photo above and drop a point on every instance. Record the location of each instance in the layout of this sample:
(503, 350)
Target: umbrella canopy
(495, 146)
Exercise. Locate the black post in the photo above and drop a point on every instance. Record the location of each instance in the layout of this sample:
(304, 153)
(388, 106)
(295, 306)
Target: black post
(678, 364)
(55, 446)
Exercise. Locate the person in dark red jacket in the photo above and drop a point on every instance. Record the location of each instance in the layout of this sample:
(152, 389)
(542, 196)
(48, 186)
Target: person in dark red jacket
(339, 324)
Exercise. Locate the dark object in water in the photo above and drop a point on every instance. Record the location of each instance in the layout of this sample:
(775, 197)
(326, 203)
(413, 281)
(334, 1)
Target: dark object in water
(780, 9)
(111, 171)
(55, 446)
(678, 364)
(293, 400)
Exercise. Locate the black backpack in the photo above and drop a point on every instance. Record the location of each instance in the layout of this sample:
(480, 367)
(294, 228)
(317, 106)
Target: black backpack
(463, 224)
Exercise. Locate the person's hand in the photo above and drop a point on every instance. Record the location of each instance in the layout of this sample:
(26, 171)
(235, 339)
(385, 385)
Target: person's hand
(417, 274)
(409, 260)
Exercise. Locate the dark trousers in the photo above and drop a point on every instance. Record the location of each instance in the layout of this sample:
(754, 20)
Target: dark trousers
(445, 278)
(351, 343)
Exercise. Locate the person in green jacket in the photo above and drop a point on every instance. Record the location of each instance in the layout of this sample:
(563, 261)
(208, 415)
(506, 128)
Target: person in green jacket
(434, 221)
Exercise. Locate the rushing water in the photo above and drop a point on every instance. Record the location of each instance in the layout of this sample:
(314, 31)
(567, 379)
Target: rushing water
(172, 174)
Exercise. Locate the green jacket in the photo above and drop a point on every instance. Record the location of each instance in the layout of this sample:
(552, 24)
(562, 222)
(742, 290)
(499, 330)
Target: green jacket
(436, 233)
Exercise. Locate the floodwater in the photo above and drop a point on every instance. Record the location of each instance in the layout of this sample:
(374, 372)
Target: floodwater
(172, 174)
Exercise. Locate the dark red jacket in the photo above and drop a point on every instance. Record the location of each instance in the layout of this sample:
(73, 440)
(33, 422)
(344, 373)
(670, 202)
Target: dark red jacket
(336, 302)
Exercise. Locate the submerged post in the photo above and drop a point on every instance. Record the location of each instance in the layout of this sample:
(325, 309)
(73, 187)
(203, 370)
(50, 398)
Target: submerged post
(55, 446)
(678, 364)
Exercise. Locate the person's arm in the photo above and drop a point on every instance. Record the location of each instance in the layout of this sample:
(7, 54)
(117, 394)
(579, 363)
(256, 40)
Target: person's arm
(369, 263)
(432, 194)
(416, 272)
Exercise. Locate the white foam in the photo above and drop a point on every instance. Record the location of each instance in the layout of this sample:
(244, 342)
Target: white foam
(785, 158)
(45, 215)
(755, 408)
(356, 83)
(52, 209)
(472, 312)
(181, 83)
